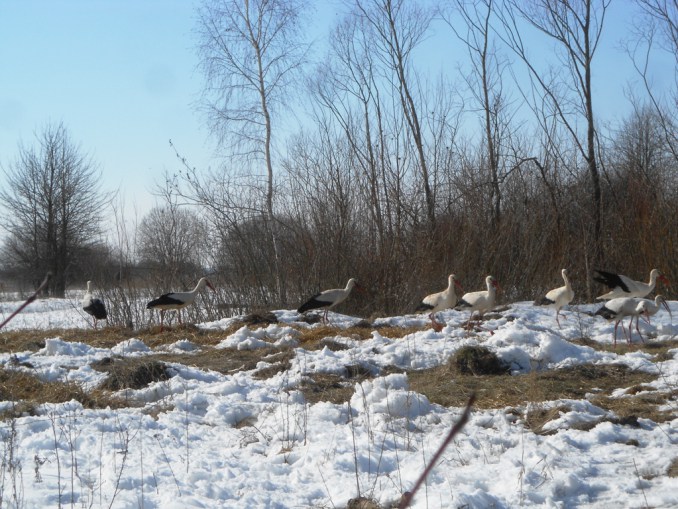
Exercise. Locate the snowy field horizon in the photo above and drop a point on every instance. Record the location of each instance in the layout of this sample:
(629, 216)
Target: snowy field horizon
(207, 439)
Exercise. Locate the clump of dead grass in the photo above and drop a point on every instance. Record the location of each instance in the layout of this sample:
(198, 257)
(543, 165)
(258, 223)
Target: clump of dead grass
(478, 360)
(131, 372)
(326, 387)
(28, 391)
(446, 386)
(673, 468)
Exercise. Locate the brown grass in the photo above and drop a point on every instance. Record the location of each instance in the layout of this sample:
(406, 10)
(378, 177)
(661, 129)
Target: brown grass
(28, 391)
(673, 468)
(446, 385)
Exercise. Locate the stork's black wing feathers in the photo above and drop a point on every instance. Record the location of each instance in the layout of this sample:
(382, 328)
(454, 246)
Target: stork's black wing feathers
(313, 303)
(606, 313)
(544, 301)
(164, 300)
(97, 309)
(610, 279)
(424, 307)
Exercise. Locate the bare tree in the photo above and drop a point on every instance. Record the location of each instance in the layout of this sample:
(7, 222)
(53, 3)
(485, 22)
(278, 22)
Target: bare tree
(486, 84)
(397, 28)
(658, 29)
(576, 28)
(173, 242)
(249, 52)
(53, 208)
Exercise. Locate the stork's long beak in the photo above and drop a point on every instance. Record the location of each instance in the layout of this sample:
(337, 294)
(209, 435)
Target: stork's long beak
(666, 306)
(210, 286)
(458, 285)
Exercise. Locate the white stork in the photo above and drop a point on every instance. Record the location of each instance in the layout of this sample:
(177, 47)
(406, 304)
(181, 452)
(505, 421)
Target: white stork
(329, 299)
(177, 300)
(623, 286)
(93, 306)
(647, 308)
(558, 297)
(439, 301)
(615, 310)
(481, 301)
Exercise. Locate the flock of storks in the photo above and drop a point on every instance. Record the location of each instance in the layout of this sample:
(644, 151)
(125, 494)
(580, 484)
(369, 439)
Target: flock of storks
(625, 298)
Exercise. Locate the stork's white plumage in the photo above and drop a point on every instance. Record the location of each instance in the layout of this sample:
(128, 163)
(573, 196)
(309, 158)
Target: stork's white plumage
(177, 300)
(328, 299)
(558, 297)
(440, 301)
(615, 310)
(647, 308)
(623, 286)
(481, 301)
(93, 306)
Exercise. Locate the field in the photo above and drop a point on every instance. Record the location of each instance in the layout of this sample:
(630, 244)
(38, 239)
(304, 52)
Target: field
(271, 411)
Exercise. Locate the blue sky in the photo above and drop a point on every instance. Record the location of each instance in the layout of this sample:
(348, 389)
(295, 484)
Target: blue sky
(119, 74)
(122, 77)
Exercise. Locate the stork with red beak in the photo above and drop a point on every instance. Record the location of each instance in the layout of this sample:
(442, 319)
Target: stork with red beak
(177, 300)
(329, 299)
(480, 302)
(623, 286)
(558, 297)
(440, 301)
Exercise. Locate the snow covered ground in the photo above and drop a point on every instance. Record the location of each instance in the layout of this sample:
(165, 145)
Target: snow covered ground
(209, 440)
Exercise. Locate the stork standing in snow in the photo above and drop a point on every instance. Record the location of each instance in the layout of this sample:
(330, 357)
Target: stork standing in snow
(647, 308)
(93, 306)
(623, 286)
(615, 310)
(329, 299)
(481, 301)
(177, 300)
(558, 297)
(439, 301)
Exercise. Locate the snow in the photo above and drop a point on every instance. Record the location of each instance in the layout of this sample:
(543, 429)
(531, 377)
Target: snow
(209, 440)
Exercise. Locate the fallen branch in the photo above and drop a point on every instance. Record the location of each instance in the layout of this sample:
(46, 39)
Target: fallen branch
(408, 496)
(28, 300)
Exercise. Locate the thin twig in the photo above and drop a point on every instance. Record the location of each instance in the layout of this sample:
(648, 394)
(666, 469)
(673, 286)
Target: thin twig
(407, 497)
(28, 300)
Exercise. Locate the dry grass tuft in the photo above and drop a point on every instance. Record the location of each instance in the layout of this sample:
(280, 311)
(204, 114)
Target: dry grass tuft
(673, 468)
(131, 372)
(478, 360)
(444, 385)
(325, 387)
(658, 348)
(28, 391)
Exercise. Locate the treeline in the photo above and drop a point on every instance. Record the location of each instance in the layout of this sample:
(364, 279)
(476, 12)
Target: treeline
(396, 178)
